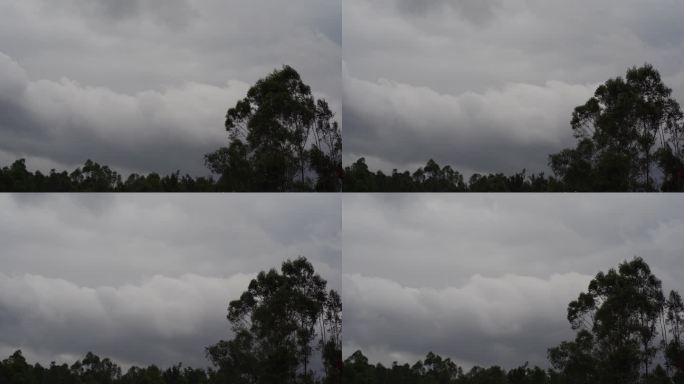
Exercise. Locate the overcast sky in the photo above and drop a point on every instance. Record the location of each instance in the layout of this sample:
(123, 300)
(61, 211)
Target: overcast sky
(490, 85)
(486, 279)
(144, 85)
(146, 279)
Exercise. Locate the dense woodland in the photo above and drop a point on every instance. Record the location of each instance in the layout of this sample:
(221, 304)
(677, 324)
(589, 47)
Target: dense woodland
(628, 331)
(286, 329)
(629, 138)
(281, 139)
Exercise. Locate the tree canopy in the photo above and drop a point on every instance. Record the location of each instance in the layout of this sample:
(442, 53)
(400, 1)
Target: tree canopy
(435, 369)
(624, 325)
(629, 137)
(95, 370)
(93, 177)
(278, 323)
(281, 139)
(435, 178)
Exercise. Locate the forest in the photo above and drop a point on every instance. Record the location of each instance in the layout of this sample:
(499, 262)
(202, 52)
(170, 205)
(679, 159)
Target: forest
(629, 139)
(281, 139)
(286, 329)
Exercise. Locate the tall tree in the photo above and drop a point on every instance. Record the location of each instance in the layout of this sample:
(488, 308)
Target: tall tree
(628, 135)
(617, 320)
(275, 325)
(280, 135)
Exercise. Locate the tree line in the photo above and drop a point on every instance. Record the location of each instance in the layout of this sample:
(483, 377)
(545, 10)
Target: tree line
(281, 139)
(628, 331)
(286, 330)
(435, 178)
(629, 138)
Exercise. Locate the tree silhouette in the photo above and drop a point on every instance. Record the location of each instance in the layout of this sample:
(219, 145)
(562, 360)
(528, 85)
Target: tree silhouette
(629, 138)
(622, 326)
(277, 324)
(279, 135)
(286, 320)
(627, 131)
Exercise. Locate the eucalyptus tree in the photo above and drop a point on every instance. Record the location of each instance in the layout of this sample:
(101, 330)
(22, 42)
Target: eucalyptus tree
(618, 320)
(280, 135)
(278, 323)
(628, 134)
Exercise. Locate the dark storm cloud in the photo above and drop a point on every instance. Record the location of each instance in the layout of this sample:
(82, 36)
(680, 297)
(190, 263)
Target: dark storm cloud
(489, 86)
(146, 279)
(486, 279)
(144, 85)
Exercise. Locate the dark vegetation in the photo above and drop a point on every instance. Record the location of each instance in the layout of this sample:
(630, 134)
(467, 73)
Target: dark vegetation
(629, 138)
(628, 332)
(281, 139)
(286, 327)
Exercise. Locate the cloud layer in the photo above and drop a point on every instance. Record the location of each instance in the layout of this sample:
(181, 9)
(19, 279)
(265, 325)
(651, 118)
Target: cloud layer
(161, 319)
(143, 85)
(486, 280)
(489, 318)
(489, 85)
(67, 122)
(146, 279)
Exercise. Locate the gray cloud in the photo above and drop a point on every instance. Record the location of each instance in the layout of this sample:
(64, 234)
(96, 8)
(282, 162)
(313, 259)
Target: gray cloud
(69, 123)
(129, 82)
(486, 279)
(146, 279)
(527, 62)
(476, 11)
(462, 129)
(161, 320)
(490, 318)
